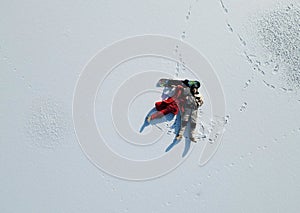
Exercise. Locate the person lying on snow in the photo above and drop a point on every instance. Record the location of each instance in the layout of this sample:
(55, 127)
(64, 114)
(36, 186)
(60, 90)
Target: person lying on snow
(186, 100)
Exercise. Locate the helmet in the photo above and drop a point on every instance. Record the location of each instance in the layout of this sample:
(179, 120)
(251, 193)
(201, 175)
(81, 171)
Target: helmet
(194, 84)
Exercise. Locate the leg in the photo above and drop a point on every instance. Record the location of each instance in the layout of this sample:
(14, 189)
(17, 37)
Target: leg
(161, 113)
(194, 116)
(184, 121)
(159, 106)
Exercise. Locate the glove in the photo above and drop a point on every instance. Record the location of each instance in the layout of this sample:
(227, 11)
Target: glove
(199, 99)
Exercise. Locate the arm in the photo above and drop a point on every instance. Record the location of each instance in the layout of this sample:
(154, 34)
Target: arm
(178, 91)
(199, 100)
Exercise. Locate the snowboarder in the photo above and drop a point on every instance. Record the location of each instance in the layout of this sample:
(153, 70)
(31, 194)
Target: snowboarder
(175, 103)
(186, 100)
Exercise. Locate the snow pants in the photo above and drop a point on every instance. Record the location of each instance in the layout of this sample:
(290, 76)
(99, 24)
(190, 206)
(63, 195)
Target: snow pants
(189, 115)
(164, 109)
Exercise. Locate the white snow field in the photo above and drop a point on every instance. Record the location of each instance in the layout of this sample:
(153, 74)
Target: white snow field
(253, 48)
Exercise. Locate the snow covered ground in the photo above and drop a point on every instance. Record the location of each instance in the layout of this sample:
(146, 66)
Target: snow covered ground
(253, 47)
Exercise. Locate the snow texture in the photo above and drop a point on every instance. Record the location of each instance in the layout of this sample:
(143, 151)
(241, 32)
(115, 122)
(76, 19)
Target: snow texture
(252, 45)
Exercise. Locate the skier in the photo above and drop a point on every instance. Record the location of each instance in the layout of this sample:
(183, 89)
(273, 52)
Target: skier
(192, 102)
